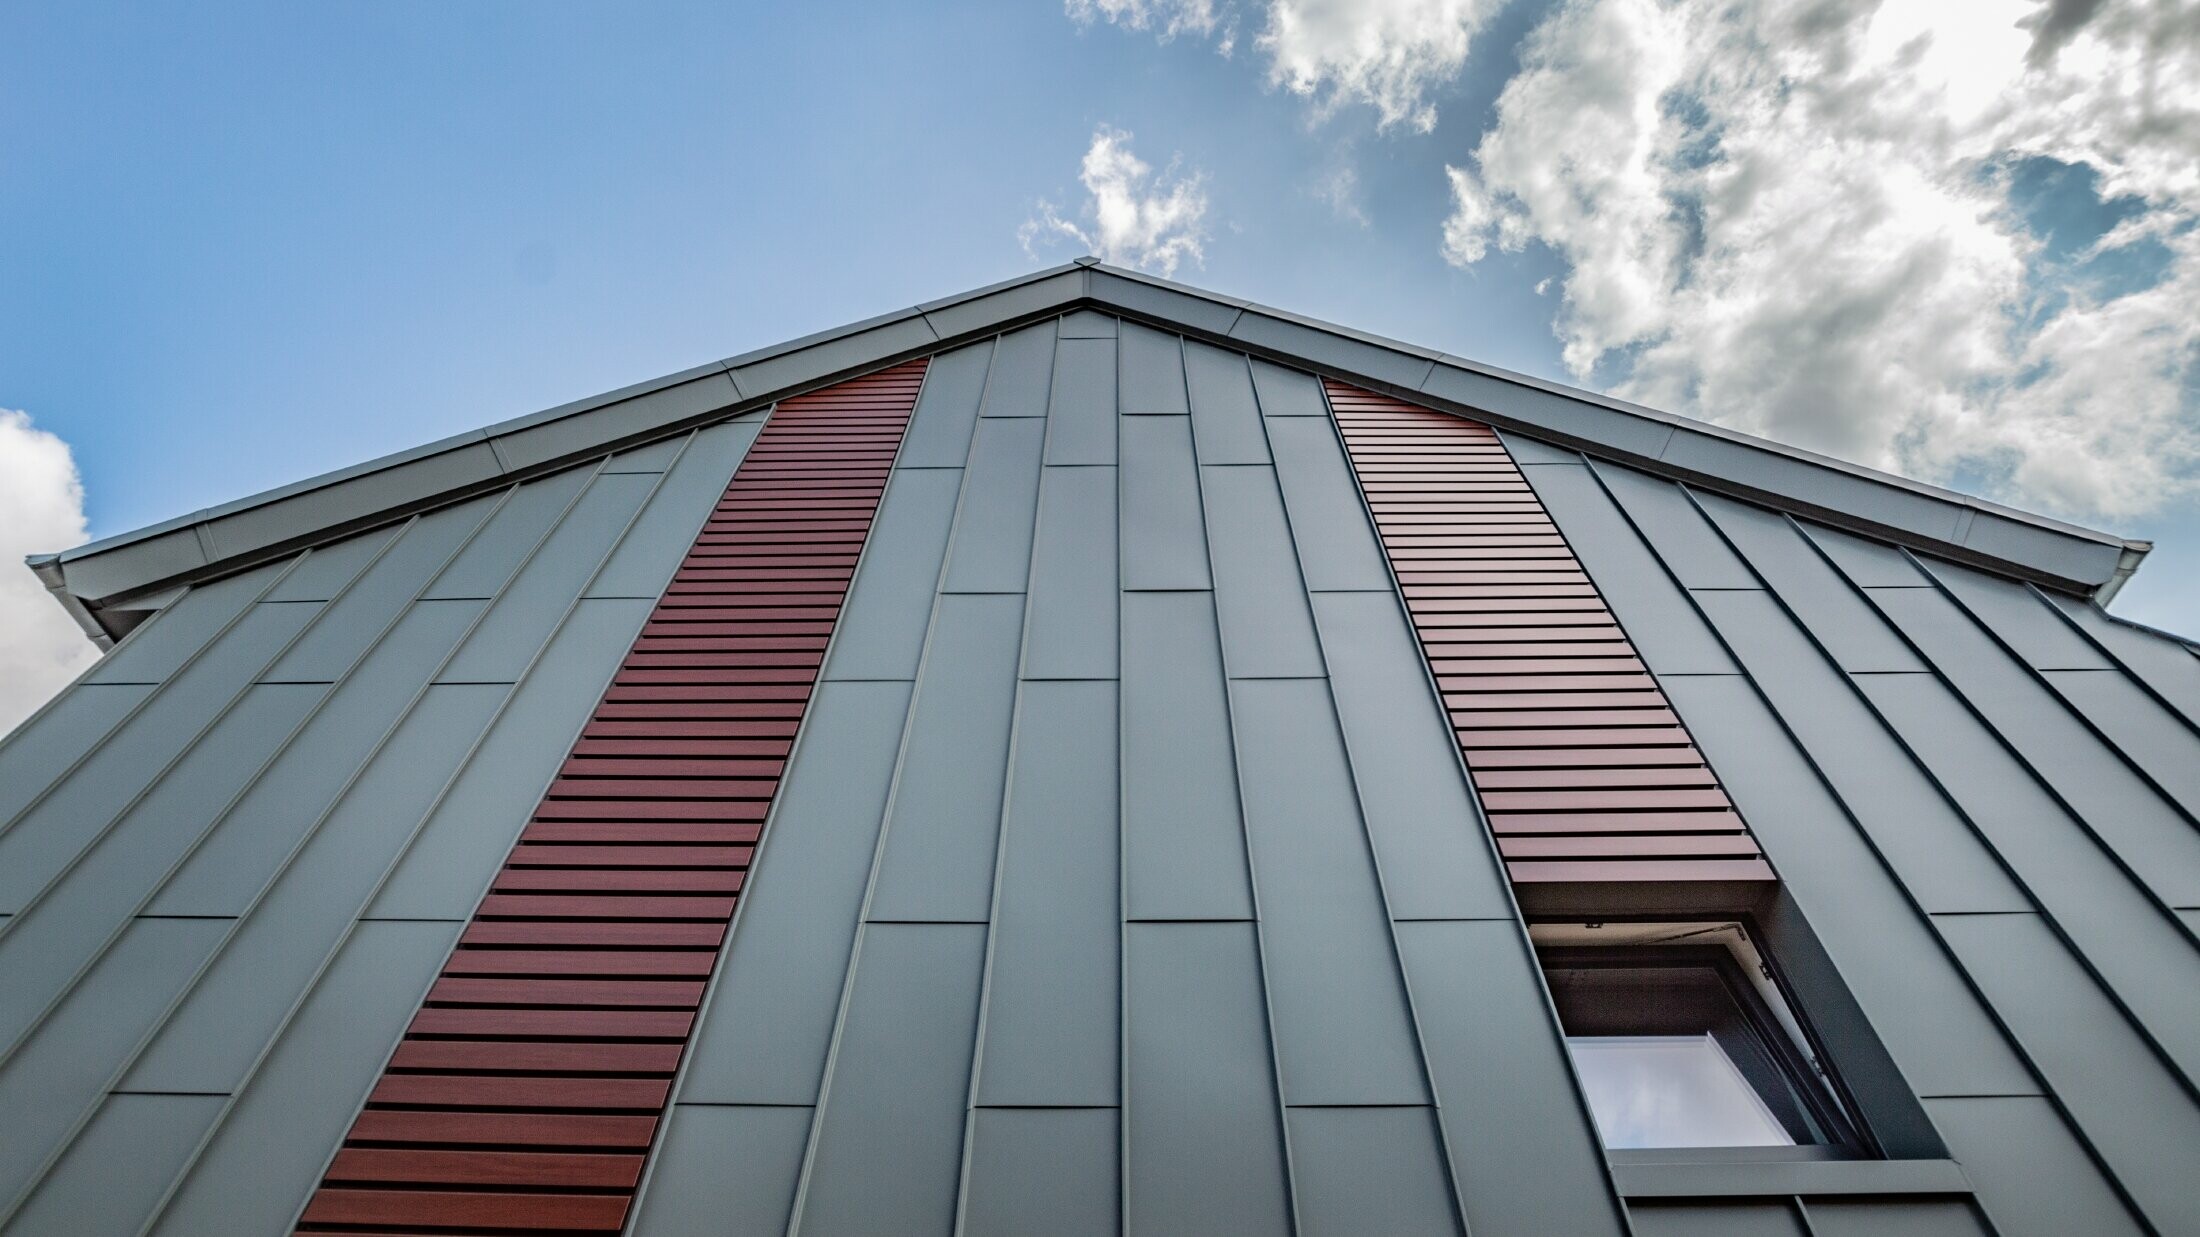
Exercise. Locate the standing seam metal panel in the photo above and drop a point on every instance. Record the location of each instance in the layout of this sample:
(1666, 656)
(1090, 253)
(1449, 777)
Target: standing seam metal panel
(585, 960)
(2036, 1140)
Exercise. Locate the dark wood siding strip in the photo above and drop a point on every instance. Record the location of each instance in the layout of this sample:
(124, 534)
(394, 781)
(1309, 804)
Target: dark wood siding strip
(527, 1089)
(1581, 766)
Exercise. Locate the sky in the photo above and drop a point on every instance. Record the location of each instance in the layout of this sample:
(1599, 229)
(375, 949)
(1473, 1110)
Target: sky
(241, 245)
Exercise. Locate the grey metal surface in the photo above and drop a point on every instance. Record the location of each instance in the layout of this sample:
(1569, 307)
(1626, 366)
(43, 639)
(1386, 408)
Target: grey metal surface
(1043, 1170)
(1052, 975)
(1023, 372)
(991, 549)
(1507, 1116)
(1981, 797)
(1204, 1142)
(1260, 593)
(886, 1153)
(1073, 576)
(1164, 537)
(2034, 1175)
(1074, 916)
(1737, 1218)
(237, 869)
(1225, 416)
(1081, 410)
(1183, 834)
(726, 1169)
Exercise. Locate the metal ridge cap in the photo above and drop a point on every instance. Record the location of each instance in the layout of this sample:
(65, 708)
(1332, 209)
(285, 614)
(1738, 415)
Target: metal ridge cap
(1964, 507)
(780, 370)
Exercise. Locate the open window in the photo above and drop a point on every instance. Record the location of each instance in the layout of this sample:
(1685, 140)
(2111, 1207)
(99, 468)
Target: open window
(1683, 1038)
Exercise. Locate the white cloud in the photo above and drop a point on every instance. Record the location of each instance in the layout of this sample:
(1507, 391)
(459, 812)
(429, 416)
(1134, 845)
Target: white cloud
(1166, 18)
(1392, 55)
(1133, 216)
(1798, 220)
(41, 510)
(1339, 188)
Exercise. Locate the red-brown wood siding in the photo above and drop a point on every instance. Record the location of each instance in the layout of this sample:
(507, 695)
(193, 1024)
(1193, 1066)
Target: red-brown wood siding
(526, 1092)
(1581, 765)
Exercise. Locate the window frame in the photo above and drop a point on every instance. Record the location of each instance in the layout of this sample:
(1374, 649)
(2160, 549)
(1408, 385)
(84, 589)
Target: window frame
(1882, 1104)
(1813, 1087)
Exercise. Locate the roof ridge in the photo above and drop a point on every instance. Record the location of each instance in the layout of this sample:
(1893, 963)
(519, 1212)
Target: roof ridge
(88, 578)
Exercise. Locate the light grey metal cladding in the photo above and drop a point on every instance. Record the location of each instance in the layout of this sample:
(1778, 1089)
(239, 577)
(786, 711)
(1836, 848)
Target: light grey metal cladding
(725, 1169)
(58, 1075)
(1051, 994)
(942, 831)
(1164, 537)
(257, 1167)
(1667, 634)
(1370, 1170)
(2034, 1176)
(1023, 372)
(1043, 1170)
(1183, 837)
(1336, 544)
(1225, 414)
(72, 725)
(1404, 762)
(276, 825)
(2166, 666)
(1072, 624)
(1260, 590)
(887, 1151)
(1152, 372)
(1204, 1142)
(947, 409)
(1077, 911)
(1981, 797)
(1343, 1027)
(115, 1171)
(2145, 829)
(2123, 1098)
(991, 550)
(1507, 1116)
(881, 630)
(1081, 409)
(43, 840)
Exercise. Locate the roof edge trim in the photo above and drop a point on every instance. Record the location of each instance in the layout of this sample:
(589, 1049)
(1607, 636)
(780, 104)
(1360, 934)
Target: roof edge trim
(89, 578)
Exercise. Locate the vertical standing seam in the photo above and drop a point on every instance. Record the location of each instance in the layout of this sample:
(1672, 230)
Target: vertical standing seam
(529, 1086)
(1581, 766)
(1294, 1210)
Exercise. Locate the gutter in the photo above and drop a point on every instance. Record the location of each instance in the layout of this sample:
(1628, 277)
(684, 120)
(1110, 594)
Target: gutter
(47, 567)
(2127, 565)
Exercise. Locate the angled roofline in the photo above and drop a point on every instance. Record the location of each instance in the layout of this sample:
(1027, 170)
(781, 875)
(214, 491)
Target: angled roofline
(107, 584)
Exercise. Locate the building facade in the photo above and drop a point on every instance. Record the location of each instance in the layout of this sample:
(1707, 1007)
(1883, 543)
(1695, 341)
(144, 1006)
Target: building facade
(1092, 756)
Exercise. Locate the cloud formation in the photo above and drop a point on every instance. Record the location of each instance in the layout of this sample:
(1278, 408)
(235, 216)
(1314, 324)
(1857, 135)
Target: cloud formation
(1392, 55)
(41, 510)
(1824, 225)
(1132, 215)
(1166, 18)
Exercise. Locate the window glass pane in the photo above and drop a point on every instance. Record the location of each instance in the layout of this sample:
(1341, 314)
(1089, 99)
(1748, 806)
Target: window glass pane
(1671, 1091)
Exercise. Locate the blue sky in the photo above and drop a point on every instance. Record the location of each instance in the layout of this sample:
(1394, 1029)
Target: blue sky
(240, 245)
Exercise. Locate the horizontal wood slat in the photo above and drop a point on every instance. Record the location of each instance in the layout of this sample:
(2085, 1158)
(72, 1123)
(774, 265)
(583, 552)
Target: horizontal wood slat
(1581, 766)
(527, 1089)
